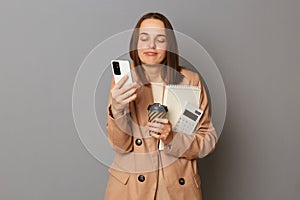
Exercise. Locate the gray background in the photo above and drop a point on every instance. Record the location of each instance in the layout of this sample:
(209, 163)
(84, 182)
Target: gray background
(254, 43)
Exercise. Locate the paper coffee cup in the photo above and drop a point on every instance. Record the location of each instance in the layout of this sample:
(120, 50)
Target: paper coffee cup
(157, 110)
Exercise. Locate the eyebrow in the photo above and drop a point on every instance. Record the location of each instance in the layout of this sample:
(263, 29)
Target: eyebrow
(143, 33)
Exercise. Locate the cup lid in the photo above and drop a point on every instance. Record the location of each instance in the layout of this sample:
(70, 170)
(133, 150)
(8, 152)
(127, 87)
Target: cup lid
(157, 107)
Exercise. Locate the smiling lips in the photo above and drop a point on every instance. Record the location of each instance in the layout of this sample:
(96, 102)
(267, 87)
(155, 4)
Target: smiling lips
(150, 53)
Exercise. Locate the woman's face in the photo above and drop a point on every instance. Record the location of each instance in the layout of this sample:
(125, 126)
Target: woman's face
(152, 42)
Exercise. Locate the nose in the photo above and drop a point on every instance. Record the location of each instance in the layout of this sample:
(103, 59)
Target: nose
(152, 44)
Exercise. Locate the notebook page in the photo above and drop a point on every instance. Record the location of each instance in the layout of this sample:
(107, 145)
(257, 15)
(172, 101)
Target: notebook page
(175, 98)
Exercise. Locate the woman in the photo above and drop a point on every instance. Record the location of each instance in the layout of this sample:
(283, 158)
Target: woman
(140, 170)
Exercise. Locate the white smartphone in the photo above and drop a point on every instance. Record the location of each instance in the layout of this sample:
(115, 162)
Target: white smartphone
(120, 68)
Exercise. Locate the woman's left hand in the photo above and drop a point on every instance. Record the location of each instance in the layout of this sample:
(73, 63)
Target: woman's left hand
(161, 128)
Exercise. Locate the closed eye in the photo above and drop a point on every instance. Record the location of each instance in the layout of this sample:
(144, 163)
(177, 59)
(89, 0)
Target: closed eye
(161, 39)
(143, 38)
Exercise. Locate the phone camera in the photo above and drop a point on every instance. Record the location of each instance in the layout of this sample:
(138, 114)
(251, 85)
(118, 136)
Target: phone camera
(116, 68)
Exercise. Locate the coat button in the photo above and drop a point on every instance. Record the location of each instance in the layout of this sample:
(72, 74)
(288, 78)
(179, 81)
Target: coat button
(141, 178)
(138, 142)
(181, 181)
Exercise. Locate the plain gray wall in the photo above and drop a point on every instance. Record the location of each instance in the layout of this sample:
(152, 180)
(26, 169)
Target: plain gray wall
(254, 43)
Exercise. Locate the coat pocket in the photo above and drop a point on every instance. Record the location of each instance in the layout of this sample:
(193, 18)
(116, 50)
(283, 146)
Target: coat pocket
(119, 175)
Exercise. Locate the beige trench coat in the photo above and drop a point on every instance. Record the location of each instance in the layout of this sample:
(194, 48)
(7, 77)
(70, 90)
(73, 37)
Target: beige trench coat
(134, 172)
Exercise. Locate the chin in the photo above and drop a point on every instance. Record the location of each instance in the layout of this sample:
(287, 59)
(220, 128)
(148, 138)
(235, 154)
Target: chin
(151, 62)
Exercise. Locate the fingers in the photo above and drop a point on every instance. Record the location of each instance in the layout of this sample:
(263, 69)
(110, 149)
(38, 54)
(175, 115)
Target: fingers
(117, 92)
(128, 93)
(155, 135)
(125, 97)
(161, 133)
(121, 82)
(160, 128)
(161, 121)
(121, 96)
(162, 136)
(155, 125)
(157, 131)
(129, 99)
(130, 86)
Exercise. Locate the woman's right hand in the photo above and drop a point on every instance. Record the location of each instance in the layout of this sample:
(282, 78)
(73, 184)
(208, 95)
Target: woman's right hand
(121, 96)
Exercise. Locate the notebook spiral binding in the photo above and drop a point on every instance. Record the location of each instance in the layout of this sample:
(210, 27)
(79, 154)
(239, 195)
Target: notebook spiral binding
(182, 86)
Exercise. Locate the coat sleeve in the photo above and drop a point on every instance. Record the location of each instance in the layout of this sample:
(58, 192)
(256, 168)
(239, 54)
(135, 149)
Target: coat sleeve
(202, 141)
(119, 130)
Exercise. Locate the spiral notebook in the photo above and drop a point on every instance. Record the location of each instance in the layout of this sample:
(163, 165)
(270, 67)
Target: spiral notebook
(175, 98)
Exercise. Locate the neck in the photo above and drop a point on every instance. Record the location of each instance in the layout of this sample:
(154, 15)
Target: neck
(153, 73)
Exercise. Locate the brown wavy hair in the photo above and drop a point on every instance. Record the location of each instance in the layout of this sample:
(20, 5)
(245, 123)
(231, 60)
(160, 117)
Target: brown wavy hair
(171, 71)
